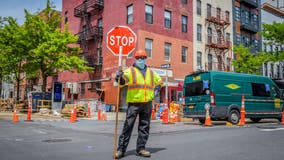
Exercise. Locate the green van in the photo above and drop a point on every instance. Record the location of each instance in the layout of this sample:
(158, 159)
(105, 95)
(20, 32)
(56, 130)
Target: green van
(223, 91)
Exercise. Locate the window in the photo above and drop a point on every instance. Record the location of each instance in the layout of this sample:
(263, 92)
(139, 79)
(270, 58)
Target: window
(167, 51)
(209, 35)
(238, 39)
(246, 16)
(218, 13)
(149, 14)
(228, 63)
(228, 37)
(148, 46)
(198, 7)
(255, 21)
(260, 90)
(210, 64)
(237, 13)
(194, 89)
(66, 17)
(219, 37)
(82, 88)
(256, 44)
(208, 10)
(227, 13)
(183, 54)
(100, 26)
(129, 14)
(219, 59)
(199, 31)
(184, 24)
(184, 1)
(199, 60)
(167, 19)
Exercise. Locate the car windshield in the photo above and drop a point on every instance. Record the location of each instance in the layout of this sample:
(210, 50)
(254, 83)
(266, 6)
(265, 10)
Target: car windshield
(194, 89)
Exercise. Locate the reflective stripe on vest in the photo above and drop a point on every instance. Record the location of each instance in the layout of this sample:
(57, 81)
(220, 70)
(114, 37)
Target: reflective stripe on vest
(142, 89)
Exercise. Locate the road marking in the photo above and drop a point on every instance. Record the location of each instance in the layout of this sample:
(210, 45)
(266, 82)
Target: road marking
(39, 131)
(274, 129)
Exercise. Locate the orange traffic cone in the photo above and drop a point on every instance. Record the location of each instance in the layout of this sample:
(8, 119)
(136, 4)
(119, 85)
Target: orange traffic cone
(153, 117)
(89, 110)
(15, 116)
(282, 117)
(207, 118)
(104, 118)
(242, 120)
(29, 114)
(73, 117)
(99, 111)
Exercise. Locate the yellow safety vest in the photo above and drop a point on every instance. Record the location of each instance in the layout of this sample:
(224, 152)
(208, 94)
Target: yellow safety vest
(140, 88)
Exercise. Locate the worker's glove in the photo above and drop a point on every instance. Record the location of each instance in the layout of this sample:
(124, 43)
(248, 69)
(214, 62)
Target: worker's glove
(157, 90)
(119, 73)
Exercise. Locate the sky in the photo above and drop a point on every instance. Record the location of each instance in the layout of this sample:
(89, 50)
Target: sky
(15, 8)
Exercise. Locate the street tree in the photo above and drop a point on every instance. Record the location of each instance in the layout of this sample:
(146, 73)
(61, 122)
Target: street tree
(53, 50)
(247, 62)
(13, 52)
(274, 35)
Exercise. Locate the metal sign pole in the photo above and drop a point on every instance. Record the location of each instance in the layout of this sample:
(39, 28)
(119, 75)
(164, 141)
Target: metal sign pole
(167, 93)
(117, 103)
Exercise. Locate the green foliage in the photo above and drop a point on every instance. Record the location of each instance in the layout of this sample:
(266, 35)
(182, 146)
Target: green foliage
(38, 47)
(274, 35)
(247, 62)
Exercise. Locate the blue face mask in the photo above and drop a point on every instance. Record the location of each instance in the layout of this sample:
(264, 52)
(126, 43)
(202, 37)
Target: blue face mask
(140, 63)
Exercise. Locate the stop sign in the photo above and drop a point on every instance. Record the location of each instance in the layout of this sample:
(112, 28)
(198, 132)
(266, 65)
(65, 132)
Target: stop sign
(121, 36)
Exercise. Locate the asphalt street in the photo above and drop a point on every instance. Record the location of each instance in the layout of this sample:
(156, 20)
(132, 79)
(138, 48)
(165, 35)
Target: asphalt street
(93, 140)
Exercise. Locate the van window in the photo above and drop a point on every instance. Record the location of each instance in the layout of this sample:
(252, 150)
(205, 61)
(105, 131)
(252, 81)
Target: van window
(276, 93)
(194, 89)
(260, 90)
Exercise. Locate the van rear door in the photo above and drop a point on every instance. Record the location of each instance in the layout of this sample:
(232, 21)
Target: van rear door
(196, 92)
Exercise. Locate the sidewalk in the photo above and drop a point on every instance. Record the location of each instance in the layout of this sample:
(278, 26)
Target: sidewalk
(50, 117)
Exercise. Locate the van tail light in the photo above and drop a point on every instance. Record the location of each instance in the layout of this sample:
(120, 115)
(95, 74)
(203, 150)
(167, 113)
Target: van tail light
(212, 99)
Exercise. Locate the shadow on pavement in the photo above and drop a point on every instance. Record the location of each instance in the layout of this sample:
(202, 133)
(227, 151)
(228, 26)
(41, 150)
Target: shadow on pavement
(152, 150)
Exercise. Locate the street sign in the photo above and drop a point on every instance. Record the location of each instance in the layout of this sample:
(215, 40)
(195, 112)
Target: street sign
(168, 65)
(121, 37)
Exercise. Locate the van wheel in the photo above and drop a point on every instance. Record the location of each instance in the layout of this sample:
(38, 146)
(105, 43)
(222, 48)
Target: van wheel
(234, 116)
(255, 120)
(201, 120)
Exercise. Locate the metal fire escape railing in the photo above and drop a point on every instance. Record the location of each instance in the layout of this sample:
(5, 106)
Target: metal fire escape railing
(217, 38)
(88, 6)
(88, 33)
(221, 21)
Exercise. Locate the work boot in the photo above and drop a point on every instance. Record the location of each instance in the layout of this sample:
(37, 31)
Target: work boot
(143, 153)
(119, 154)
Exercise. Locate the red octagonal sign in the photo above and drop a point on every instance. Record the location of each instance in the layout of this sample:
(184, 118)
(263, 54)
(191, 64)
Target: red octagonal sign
(121, 36)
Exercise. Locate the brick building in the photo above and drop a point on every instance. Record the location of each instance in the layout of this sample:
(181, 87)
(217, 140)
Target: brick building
(247, 23)
(163, 28)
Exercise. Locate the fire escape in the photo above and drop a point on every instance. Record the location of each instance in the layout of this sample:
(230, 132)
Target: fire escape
(217, 40)
(91, 35)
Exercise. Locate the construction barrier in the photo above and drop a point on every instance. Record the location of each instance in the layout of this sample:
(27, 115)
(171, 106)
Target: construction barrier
(165, 115)
(174, 109)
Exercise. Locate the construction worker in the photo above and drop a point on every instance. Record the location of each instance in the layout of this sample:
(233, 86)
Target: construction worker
(141, 82)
